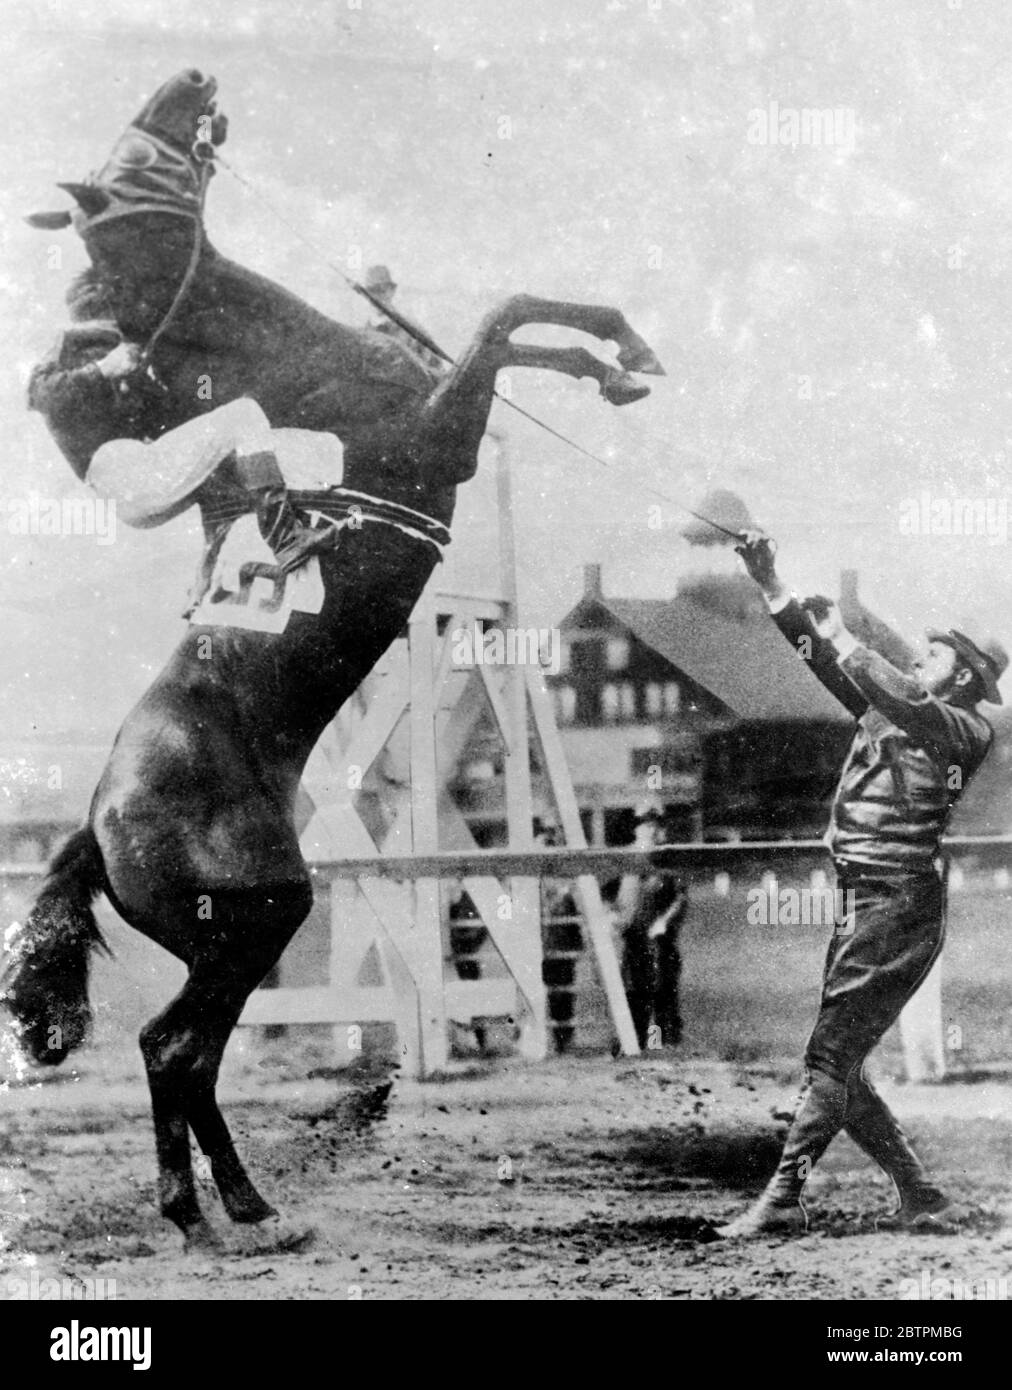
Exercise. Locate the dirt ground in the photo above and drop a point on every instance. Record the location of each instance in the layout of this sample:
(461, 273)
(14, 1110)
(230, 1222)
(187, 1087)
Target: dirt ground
(577, 1178)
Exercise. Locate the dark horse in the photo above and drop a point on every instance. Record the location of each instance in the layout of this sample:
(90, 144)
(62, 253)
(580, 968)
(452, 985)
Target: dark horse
(191, 833)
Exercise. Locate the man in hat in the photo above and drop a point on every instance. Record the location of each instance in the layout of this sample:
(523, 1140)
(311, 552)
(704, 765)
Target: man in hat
(649, 911)
(919, 740)
(381, 285)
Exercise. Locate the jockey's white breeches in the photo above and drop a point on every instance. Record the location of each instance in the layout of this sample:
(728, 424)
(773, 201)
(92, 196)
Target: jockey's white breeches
(308, 459)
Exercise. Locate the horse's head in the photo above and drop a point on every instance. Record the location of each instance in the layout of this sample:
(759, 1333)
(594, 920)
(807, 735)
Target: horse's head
(159, 163)
(183, 111)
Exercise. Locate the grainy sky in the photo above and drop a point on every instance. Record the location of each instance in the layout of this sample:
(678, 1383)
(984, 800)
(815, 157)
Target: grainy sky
(833, 319)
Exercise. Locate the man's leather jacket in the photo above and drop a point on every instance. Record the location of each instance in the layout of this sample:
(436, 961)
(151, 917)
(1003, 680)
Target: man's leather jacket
(912, 757)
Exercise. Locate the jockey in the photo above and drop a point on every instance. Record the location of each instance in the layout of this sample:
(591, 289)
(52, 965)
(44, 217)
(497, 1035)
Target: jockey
(78, 387)
(75, 386)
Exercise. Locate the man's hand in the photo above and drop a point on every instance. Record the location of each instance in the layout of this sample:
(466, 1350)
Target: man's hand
(124, 359)
(757, 551)
(828, 622)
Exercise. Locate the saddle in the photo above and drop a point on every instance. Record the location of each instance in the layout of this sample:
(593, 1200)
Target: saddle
(239, 583)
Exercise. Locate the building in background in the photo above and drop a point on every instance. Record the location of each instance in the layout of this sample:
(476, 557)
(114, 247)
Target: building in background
(699, 700)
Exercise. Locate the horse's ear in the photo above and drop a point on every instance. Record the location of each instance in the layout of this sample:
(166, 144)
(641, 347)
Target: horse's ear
(90, 200)
(49, 221)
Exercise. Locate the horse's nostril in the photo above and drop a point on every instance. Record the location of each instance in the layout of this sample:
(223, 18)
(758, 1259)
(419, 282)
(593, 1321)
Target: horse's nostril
(196, 77)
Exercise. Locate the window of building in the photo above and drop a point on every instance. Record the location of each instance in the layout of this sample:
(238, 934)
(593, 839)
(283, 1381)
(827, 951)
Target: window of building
(672, 697)
(617, 653)
(627, 700)
(565, 703)
(565, 657)
(609, 701)
(653, 698)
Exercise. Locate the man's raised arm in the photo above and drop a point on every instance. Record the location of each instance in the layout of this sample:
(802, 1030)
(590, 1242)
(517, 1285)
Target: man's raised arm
(758, 551)
(956, 732)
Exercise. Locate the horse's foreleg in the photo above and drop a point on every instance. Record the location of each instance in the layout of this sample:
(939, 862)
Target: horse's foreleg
(600, 320)
(455, 417)
(616, 385)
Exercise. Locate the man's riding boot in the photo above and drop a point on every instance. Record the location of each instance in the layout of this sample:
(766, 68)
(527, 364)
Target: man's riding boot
(291, 540)
(875, 1129)
(819, 1118)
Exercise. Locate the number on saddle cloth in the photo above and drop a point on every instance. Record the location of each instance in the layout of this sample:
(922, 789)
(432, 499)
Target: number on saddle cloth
(249, 590)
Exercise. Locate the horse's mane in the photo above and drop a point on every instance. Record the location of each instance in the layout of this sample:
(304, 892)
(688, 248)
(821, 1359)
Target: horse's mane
(89, 297)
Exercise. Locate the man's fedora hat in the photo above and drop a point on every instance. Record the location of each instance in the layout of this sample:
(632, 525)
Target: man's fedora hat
(987, 658)
(378, 277)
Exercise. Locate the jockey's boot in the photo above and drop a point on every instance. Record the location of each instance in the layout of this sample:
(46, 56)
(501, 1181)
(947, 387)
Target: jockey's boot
(291, 540)
(778, 1210)
(875, 1129)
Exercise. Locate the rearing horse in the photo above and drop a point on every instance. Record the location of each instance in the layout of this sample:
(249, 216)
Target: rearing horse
(196, 804)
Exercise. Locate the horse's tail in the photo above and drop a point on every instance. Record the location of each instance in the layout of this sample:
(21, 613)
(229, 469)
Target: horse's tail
(44, 984)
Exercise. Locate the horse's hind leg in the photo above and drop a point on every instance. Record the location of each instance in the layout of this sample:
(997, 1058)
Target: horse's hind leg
(184, 1045)
(165, 1044)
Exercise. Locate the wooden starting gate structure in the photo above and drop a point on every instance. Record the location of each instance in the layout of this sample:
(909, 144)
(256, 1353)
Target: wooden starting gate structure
(379, 785)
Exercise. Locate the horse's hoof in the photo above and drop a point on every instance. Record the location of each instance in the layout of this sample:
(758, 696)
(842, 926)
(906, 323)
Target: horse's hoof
(202, 1239)
(637, 357)
(618, 388)
(250, 1210)
(275, 1236)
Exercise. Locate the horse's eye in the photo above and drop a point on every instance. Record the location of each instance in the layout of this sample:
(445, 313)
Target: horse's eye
(135, 152)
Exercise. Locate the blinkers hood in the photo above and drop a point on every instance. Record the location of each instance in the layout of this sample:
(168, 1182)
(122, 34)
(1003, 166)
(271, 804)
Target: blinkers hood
(147, 172)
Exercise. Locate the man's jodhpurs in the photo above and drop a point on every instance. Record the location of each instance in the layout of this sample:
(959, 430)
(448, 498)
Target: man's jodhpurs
(881, 951)
(884, 946)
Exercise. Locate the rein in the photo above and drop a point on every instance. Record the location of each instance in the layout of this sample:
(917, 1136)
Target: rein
(181, 293)
(204, 166)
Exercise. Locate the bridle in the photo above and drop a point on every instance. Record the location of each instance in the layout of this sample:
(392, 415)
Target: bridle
(202, 154)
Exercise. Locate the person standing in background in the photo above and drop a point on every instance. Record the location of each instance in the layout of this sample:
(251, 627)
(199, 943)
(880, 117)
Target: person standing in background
(650, 908)
(382, 286)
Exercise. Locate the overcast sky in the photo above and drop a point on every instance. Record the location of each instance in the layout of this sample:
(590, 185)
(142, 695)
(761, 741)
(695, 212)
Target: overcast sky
(584, 149)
